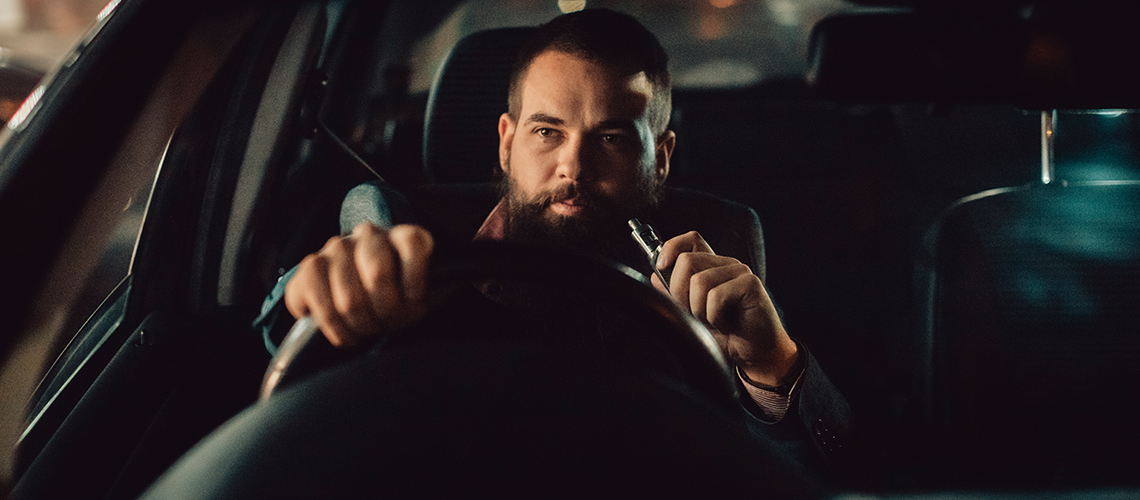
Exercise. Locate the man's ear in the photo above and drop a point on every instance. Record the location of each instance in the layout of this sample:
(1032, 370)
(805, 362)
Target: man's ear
(506, 135)
(665, 144)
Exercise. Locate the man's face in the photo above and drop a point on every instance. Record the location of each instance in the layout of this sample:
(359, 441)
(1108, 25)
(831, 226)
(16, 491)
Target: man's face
(581, 156)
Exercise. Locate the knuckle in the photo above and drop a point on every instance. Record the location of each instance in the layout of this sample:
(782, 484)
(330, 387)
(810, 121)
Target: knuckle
(366, 228)
(412, 236)
(739, 269)
(337, 245)
(295, 306)
(703, 281)
(309, 271)
(310, 261)
(716, 296)
(684, 260)
(751, 281)
(422, 237)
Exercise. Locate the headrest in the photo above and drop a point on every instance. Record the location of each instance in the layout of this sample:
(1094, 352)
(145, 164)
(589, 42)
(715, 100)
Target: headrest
(1050, 57)
(461, 138)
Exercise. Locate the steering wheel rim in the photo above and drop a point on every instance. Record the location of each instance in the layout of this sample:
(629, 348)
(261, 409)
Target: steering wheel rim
(404, 419)
(708, 371)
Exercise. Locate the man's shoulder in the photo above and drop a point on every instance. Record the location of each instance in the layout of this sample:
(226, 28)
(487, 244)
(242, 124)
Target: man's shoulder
(676, 200)
(730, 228)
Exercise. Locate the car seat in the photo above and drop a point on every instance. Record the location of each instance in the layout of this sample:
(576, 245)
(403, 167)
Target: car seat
(1027, 331)
(464, 104)
(1033, 331)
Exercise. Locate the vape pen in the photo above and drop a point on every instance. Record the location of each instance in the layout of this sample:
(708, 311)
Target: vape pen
(644, 235)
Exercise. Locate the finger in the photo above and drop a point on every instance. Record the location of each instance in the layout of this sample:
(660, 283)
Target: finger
(751, 333)
(378, 268)
(679, 279)
(348, 294)
(414, 246)
(295, 301)
(656, 282)
(705, 288)
(688, 242)
(686, 266)
(309, 294)
(730, 304)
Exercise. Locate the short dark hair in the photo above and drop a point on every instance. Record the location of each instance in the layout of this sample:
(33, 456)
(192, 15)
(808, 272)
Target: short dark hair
(606, 37)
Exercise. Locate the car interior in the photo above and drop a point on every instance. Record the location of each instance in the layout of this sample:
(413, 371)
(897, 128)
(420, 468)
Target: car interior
(946, 197)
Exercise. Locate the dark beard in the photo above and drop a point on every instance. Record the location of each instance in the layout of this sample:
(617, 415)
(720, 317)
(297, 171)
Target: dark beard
(601, 229)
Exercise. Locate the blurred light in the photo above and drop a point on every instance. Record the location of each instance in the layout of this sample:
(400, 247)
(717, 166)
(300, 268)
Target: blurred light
(722, 4)
(1099, 171)
(711, 26)
(110, 7)
(568, 6)
(718, 73)
(26, 108)
(786, 12)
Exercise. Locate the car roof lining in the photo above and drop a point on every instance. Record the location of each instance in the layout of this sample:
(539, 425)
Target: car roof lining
(1042, 58)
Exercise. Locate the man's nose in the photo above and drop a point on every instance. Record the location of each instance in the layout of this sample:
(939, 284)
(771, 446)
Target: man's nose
(573, 161)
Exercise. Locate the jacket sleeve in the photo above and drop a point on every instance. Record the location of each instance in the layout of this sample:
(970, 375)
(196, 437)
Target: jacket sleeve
(816, 427)
(270, 322)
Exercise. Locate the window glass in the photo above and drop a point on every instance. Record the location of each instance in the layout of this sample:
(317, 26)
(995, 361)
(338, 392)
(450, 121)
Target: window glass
(115, 257)
(35, 35)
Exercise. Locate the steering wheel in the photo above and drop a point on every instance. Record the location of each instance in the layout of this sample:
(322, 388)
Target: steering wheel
(602, 281)
(448, 406)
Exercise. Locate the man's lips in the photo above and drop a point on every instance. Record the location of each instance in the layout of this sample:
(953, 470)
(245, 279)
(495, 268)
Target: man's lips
(569, 206)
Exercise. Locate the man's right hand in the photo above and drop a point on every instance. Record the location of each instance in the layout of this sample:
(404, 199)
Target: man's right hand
(359, 286)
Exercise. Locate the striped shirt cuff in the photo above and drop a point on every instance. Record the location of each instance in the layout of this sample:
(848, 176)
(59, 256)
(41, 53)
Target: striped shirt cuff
(773, 405)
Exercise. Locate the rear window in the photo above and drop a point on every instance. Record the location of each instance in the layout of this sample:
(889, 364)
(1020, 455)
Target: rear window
(711, 43)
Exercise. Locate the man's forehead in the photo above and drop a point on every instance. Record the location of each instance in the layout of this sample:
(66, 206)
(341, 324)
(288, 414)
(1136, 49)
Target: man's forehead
(558, 60)
(556, 73)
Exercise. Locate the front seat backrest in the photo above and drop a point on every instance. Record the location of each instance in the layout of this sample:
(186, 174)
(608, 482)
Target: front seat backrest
(468, 96)
(1034, 330)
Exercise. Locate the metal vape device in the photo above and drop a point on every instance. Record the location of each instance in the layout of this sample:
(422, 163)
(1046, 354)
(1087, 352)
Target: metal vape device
(644, 235)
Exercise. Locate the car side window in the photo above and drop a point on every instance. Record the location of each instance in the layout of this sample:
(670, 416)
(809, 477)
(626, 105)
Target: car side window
(98, 306)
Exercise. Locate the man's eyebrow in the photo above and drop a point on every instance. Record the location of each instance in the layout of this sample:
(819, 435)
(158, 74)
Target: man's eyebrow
(620, 124)
(543, 118)
(617, 124)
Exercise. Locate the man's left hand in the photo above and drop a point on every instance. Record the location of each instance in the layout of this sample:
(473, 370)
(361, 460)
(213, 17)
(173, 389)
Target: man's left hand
(726, 296)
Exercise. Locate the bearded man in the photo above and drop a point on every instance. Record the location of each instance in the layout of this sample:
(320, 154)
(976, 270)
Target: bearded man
(585, 146)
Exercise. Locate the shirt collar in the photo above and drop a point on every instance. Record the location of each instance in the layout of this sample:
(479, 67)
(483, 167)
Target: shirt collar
(494, 228)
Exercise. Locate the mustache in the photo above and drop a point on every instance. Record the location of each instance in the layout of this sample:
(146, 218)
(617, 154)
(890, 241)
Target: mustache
(565, 192)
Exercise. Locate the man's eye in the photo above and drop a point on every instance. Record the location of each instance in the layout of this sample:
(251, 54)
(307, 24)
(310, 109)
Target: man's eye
(545, 132)
(612, 138)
